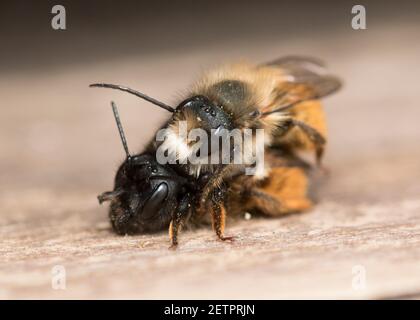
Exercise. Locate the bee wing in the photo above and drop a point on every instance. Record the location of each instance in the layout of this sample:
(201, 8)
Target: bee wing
(306, 79)
(296, 60)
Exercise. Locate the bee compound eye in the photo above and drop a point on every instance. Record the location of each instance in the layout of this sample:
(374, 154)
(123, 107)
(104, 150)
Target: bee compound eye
(154, 203)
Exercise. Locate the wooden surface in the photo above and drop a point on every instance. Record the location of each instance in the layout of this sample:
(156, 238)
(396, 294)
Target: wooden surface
(60, 148)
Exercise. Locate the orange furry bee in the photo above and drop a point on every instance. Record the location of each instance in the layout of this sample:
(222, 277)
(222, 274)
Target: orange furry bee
(281, 98)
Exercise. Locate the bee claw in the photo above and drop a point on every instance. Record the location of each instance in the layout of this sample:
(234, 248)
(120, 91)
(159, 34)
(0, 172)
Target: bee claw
(230, 238)
(173, 247)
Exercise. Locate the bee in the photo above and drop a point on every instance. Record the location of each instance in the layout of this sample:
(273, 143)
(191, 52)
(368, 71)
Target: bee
(280, 97)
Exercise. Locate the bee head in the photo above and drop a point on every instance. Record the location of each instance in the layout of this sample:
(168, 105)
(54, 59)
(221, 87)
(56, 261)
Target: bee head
(144, 196)
(206, 114)
(195, 130)
(144, 192)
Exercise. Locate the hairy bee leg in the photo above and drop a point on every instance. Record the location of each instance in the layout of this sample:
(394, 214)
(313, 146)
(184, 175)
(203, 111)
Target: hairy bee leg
(218, 213)
(213, 184)
(272, 206)
(284, 191)
(178, 218)
(317, 139)
(219, 221)
(264, 200)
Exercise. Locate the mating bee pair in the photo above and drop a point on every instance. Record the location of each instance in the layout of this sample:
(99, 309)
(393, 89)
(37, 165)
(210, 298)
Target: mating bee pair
(281, 97)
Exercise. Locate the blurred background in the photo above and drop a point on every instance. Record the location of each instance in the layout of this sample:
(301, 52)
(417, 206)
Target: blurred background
(60, 147)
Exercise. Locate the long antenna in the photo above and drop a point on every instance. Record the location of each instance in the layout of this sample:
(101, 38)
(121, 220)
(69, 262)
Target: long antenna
(120, 129)
(136, 93)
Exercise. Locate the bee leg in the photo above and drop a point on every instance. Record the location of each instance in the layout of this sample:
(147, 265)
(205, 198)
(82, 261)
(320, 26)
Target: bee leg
(213, 184)
(212, 198)
(218, 213)
(178, 218)
(317, 139)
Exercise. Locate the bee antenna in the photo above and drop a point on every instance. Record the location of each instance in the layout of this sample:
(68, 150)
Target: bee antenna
(136, 93)
(120, 129)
